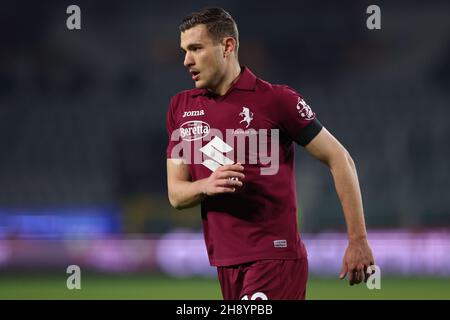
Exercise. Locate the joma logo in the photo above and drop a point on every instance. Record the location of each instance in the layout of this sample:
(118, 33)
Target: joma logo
(193, 113)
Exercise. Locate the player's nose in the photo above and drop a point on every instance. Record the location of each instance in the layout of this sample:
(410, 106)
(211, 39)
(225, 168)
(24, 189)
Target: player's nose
(188, 60)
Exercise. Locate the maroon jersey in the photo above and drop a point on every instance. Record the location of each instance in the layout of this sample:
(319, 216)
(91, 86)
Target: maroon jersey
(254, 123)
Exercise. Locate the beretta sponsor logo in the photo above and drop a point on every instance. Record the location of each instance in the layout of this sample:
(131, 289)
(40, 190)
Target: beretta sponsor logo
(194, 130)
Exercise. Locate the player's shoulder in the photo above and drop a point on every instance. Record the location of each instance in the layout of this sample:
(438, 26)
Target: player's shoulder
(279, 94)
(276, 89)
(180, 100)
(284, 89)
(185, 95)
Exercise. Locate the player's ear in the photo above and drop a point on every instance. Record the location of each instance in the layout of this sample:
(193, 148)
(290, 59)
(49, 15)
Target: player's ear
(229, 46)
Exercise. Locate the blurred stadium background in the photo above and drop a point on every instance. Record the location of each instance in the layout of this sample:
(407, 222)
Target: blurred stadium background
(83, 138)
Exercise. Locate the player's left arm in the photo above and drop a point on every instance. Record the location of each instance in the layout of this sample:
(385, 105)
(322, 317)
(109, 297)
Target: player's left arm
(358, 255)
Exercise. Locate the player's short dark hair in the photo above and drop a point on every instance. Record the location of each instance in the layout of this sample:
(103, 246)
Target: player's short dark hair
(219, 23)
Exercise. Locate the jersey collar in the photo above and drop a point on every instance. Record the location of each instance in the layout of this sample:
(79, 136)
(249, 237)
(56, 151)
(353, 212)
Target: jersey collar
(246, 82)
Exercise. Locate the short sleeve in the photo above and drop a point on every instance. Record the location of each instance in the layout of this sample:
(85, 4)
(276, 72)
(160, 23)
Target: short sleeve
(296, 117)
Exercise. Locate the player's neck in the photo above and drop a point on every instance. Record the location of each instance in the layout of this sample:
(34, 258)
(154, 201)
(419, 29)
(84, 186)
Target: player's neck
(229, 80)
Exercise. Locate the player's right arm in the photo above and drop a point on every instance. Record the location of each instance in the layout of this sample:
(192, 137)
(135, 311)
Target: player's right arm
(184, 193)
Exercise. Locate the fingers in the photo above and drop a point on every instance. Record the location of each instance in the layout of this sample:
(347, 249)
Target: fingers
(363, 275)
(230, 171)
(360, 272)
(232, 167)
(343, 272)
(356, 274)
(366, 273)
(226, 186)
(225, 190)
(356, 262)
(351, 277)
(228, 183)
(230, 174)
(225, 179)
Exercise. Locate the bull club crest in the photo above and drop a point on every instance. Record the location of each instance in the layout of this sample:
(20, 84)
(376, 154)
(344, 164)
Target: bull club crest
(248, 116)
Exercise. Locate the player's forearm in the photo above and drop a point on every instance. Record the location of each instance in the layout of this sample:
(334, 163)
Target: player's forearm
(347, 187)
(186, 194)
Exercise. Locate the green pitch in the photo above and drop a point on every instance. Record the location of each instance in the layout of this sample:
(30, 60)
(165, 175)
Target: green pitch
(111, 286)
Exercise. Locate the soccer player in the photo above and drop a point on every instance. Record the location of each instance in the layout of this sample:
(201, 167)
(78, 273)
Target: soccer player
(220, 136)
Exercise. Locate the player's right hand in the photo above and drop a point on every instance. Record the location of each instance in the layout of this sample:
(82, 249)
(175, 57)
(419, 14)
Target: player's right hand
(224, 180)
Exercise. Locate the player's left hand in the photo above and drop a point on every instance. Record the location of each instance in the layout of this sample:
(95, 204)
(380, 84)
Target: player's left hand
(357, 258)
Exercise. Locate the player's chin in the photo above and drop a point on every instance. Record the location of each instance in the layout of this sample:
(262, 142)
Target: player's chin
(203, 83)
(200, 84)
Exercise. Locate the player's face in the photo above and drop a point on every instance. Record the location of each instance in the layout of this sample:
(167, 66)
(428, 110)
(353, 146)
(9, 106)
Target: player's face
(203, 58)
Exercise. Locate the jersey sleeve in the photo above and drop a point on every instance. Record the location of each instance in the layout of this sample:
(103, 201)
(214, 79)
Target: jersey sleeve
(295, 116)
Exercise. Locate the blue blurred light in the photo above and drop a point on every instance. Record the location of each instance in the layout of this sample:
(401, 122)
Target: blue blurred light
(59, 222)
